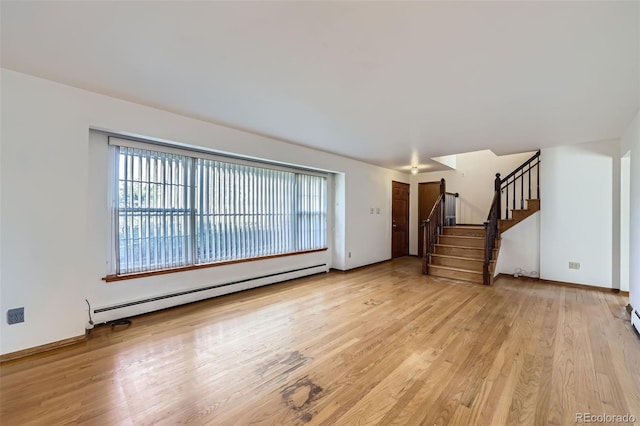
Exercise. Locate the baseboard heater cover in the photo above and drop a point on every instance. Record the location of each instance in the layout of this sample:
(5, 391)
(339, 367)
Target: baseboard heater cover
(207, 288)
(635, 320)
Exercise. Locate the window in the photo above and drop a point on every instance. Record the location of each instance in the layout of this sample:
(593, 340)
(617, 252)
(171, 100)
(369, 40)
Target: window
(175, 208)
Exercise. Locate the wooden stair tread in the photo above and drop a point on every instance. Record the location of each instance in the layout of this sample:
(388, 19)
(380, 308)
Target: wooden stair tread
(477, 249)
(463, 236)
(451, 268)
(463, 231)
(456, 273)
(448, 256)
(464, 247)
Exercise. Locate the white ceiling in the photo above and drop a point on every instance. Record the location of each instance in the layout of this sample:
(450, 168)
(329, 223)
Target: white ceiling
(388, 83)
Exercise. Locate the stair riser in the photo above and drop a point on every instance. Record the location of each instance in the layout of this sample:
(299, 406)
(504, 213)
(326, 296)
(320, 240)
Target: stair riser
(456, 240)
(503, 225)
(472, 265)
(519, 215)
(455, 275)
(533, 204)
(464, 232)
(461, 252)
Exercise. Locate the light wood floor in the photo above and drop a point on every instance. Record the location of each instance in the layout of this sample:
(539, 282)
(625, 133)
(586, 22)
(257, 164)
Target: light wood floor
(381, 345)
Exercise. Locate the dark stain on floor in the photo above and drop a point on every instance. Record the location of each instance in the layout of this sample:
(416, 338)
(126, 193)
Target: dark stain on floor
(373, 302)
(300, 394)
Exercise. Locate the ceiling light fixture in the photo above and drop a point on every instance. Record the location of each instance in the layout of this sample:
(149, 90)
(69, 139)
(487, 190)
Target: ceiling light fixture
(414, 170)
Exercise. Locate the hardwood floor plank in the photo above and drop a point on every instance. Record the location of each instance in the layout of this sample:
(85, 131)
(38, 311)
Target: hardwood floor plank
(380, 345)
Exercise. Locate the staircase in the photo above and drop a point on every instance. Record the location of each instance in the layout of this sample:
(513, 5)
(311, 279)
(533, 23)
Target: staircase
(469, 252)
(518, 215)
(459, 254)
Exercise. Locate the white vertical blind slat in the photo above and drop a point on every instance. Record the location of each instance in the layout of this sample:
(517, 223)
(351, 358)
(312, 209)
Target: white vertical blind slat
(175, 210)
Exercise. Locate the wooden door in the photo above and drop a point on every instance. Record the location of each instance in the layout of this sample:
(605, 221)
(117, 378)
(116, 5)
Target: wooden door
(400, 219)
(428, 193)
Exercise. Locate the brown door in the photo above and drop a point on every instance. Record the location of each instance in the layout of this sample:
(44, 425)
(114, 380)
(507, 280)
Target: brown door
(428, 193)
(400, 220)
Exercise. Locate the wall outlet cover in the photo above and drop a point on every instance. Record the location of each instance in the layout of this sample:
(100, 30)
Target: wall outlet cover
(15, 316)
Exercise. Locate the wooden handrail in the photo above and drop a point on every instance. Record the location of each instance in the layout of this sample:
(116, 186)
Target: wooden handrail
(432, 227)
(522, 166)
(434, 208)
(430, 231)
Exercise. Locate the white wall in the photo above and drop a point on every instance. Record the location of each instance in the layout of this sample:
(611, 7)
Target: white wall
(338, 201)
(473, 179)
(520, 248)
(625, 184)
(631, 141)
(577, 185)
(53, 228)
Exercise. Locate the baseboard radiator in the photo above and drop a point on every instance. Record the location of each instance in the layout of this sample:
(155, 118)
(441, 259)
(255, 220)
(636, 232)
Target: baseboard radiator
(151, 304)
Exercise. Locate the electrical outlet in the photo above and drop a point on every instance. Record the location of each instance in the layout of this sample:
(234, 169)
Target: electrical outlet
(378, 210)
(15, 316)
(349, 255)
(371, 210)
(574, 265)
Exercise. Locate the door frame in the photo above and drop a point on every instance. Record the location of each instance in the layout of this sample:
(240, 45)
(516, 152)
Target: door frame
(408, 218)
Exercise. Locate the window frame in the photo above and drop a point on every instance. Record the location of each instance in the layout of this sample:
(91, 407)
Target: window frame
(193, 155)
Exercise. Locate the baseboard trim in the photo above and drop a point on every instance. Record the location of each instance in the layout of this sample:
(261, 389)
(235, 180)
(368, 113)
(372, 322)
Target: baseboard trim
(201, 289)
(566, 284)
(357, 268)
(42, 348)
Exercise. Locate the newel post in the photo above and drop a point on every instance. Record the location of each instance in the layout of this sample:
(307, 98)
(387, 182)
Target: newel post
(425, 245)
(496, 186)
(486, 278)
(443, 210)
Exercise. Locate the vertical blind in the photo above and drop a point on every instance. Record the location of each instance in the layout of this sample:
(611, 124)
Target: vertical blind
(177, 210)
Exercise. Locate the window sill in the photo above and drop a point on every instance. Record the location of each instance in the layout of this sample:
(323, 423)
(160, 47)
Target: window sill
(111, 278)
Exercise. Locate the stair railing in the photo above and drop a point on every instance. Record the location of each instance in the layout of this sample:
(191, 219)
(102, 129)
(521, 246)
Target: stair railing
(516, 180)
(450, 208)
(500, 186)
(491, 233)
(432, 227)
